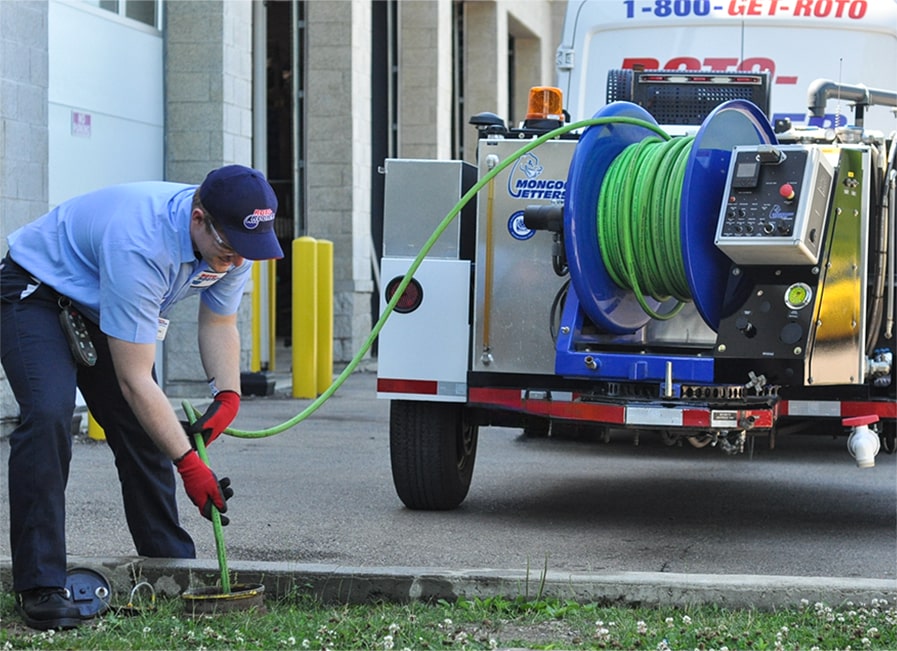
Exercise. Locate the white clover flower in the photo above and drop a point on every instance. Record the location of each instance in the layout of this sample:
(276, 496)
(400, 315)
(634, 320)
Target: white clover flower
(305, 643)
(804, 603)
(388, 643)
(394, 628)
(493, 643)
(641, 627)
(686, 620)
(866, 641)
(147, 630)
(669, 621)
(291, 641)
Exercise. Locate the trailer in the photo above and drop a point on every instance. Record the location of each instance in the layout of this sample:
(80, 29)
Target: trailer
(699, 262)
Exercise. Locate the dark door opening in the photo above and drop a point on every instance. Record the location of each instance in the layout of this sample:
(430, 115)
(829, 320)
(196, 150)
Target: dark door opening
(286, 157)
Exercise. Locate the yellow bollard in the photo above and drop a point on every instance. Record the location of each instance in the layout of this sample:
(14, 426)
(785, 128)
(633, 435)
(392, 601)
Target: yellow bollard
(304, 323)
(325, 315)
(94, 430)
(255, 360)
(264, 316)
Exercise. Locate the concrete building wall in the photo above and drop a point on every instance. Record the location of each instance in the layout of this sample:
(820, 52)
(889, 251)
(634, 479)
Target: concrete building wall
(425, 79)
(208, 81)
(23, 134)
(338, 158)
(536, 29)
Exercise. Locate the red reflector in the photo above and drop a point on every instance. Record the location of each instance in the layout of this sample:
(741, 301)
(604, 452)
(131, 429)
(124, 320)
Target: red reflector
(423, 387)
(411, 298)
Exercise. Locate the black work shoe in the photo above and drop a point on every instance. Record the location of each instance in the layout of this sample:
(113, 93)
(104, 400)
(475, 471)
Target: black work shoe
(46, 608)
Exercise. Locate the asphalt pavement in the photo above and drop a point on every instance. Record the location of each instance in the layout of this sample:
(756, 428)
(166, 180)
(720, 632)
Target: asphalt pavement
(334, 581)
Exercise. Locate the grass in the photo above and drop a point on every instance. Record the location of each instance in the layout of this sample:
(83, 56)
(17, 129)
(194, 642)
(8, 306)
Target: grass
(301, 622)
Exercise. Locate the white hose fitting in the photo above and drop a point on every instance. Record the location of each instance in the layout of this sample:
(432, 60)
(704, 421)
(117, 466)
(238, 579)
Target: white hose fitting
(863, 443)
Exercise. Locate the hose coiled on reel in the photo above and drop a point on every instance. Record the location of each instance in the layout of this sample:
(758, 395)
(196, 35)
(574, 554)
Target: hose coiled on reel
(638, 221)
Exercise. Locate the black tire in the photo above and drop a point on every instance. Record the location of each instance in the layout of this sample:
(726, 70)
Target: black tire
(432, 450)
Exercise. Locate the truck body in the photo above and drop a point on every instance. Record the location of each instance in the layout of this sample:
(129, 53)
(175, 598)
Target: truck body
(710, 259)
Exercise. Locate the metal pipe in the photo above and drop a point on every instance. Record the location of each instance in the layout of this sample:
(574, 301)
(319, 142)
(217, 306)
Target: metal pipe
(822, 89)
(892, 243)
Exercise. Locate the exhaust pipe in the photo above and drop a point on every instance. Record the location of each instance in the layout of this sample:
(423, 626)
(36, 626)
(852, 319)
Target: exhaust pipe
(863, 443)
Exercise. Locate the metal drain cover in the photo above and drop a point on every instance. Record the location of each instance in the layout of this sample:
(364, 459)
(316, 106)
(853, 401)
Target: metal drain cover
(90, 591)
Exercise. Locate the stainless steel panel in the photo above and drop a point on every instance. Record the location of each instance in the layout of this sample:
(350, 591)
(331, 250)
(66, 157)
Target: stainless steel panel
(515, 283)
(838, 352)
(418, 194)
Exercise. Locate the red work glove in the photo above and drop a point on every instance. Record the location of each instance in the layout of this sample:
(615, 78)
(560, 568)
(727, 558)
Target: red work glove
(203, 486)
(218, 416)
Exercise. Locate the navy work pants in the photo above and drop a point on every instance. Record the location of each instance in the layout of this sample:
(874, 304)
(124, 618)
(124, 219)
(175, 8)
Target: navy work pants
(43, 375)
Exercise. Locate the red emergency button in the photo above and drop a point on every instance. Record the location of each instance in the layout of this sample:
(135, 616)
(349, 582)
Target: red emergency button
(787, 191)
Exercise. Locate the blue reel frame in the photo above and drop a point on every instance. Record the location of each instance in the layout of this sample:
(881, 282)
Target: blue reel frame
(614, 311)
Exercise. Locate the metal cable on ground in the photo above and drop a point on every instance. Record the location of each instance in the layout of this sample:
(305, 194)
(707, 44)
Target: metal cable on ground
(415, 264)
(638, 221)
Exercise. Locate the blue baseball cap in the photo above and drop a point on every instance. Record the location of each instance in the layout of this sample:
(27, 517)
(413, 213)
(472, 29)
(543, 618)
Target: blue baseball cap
(243, 205)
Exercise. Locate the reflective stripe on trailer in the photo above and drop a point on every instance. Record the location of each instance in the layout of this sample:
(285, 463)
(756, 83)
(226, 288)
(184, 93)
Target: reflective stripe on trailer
(569, 406)
(837, 408)
(399, 388)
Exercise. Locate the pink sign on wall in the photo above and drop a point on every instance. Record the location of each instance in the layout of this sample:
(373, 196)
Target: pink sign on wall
(81, 124)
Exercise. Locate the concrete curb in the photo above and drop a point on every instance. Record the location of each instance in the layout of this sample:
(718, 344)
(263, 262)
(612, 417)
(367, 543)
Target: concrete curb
(343, 584)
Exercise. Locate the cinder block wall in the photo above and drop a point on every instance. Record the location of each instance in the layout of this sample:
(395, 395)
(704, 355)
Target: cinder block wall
(339, 158)
(208, 80)
(24, 137)
(425, 79)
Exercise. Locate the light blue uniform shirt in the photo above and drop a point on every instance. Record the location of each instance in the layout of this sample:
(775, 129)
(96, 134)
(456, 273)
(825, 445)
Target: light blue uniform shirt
(124, 256)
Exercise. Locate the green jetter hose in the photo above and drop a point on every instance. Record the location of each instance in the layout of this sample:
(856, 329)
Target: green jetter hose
(375, 331)
(638, 228)
(639, 218)
(192, 415)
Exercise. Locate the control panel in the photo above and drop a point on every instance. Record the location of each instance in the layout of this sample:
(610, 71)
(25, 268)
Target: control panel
(775, 204)
(772, 331)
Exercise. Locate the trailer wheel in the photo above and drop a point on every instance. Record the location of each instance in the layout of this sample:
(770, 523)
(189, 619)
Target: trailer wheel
(432, 449)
